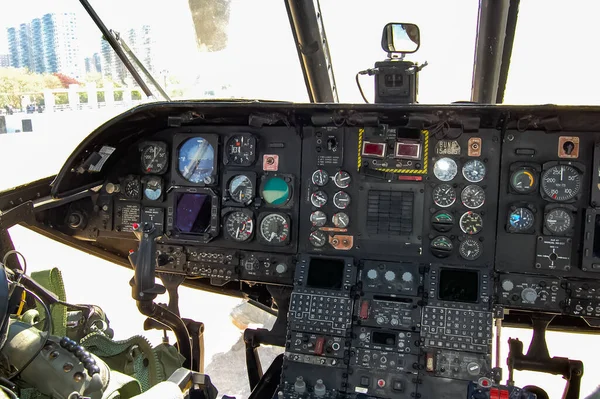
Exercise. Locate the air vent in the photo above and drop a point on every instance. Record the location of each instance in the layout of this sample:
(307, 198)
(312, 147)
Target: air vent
(390, 213)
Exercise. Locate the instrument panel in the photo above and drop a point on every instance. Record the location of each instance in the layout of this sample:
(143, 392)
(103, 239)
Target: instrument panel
(401, 241)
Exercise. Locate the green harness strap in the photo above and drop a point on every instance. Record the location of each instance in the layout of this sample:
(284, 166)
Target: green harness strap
(52, 281)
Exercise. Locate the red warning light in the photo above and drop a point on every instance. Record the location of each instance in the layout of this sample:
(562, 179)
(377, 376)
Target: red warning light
(408, 150)
(135, 226)
(373, 149)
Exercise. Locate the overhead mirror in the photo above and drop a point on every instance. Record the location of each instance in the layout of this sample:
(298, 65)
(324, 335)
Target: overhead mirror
(400, 37)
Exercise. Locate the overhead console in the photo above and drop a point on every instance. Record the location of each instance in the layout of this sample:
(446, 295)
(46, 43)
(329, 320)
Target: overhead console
(400, 233)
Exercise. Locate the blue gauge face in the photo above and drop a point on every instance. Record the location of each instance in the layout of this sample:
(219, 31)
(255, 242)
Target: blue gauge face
(196, 160)
(276, 191)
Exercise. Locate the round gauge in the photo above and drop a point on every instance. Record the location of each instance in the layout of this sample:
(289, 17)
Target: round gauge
(523, 181)
(154, 158)
(471, 222)
(241, 150)
(196, 160)
(474, 171)
(318, 198)
(341, 200)
(521, 219)
(470, 249)
(441, 246)
(341, 220)
(342, 179)
(445, 169)
(320, 177)
(561, 182)
(239, 226)
(558, 221)
(317, 238)
(153, 188)
(132, 188)
(241, 189)
(442, 221)
(318, 218)
(472, 196)
(444, 195)
(275, 228)
(276, 191)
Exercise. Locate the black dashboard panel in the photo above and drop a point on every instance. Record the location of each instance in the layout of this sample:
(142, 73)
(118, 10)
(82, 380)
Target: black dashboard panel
(401, 233)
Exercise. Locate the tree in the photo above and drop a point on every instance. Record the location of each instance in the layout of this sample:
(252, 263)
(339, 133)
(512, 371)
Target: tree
(15, 83)
(65, 80)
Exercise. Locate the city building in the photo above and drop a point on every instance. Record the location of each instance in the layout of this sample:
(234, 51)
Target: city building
(97, 62)
(141, 41)
(4, 60)
(112, 67)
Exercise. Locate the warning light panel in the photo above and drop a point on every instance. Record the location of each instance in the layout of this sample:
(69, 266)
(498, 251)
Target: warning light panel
(408, 150)
(376, 150)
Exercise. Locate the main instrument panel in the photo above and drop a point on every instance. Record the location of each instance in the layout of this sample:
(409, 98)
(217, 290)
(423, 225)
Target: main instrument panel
(402, 238)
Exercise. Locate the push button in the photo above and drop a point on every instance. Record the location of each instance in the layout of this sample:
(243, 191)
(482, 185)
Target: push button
(398, 386)
(364, 381)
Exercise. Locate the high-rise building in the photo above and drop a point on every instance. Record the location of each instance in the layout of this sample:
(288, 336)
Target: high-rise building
(4, 60)
(97, 62)
(141, 41)
(38, 64)
(111, 64)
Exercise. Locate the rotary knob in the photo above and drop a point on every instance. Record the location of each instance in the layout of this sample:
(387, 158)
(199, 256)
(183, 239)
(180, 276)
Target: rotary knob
(390, 275)
(380, 320)
(281, 268)
(529, 295)
(407, 277)
(372, 274)
(473, 368)
(507, 285)
(394, 322)
(300, 385)
(319, 389)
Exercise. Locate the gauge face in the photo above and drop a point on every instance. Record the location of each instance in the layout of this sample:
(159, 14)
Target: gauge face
(442, 221)
(318, 218)
(154, 158)
(471, 222)
(241, 189)
(241, 150)
(342, 179)
(441, 246)
(320, 177)
(523, 181)
(521, 219)
(132, 188)
(341, 200)
(341, 220)
(444, 195)
(153, 188)
(275, 228)
(239, 226)
(445, 169)
(196, 160)
(472, 196)
(318, 198)
(559, 220)
(276, 191)
(470, 249)
(474, 171)
(561, 182)
(317, 238)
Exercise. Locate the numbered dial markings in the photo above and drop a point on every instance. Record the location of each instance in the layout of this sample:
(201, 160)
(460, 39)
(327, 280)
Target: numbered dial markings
(474, 171)
(318, 218)
(241, 150)
(341, 220)
(521, 219)
(561, 182)
(473, 196)
(341, 200)
(241, 189)
(320, 177)
(471, 222)
(319, 198)
(523, 181)
(470, 249)
(317, 238)
(239, 226)
(154, 158)
(441, 246)
(342, 179)
(445, 169)
(275, 228)
(559, 221)
(444, 195)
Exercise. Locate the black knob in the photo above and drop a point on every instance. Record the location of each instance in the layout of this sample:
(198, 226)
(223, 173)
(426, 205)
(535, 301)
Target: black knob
(79, 350)
(95, 369)
(89, 362)
(70, 346)
(64, 341)
(83, 355)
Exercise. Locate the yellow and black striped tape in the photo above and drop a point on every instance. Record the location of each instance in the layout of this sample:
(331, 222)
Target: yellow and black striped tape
(422, 171)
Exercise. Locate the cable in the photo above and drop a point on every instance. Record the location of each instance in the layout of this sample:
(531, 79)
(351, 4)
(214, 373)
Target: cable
(360, 88)
(15, 252)
(48, 324)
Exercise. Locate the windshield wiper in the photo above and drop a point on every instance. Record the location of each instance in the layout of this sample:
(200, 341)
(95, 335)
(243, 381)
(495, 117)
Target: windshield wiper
(121, 48)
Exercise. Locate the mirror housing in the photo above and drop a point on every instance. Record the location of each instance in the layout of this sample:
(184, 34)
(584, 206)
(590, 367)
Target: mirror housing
(400, 38)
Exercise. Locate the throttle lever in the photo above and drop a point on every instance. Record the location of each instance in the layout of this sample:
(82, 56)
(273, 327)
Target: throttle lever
(143, 283)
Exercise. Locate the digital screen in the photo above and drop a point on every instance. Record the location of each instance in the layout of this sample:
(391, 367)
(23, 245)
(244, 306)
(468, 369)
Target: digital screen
(325, 273)
(459, 285)
(373, 149)
(408, 150)
(383, 338)
(193, 213)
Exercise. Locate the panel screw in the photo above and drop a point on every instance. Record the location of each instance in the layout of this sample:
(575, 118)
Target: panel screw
(67, 367)
(78, 377)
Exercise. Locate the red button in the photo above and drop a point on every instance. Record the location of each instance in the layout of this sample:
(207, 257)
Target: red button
(319, 346)
(503, 394)
(364, 310)
(380, 383)
(135, 226)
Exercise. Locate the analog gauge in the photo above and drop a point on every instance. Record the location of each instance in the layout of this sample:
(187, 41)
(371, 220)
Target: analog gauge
(196, 160)
(276, 191)
(474, 171)
(561, 182)
(320, 177)
(520, 219)
(318, 198)
(275, 228)
(154, 158)
(444, 195)
(241, 189)
(318, 218)
(445, 169)
(441, 246)
(153, 188)
(341, 200)
(523, 181)
(471, 222)
(239, 226)
(470, 249)
(558, 221)
(472, 196)
(342, 179)
(442, 221)
(341, 220)
(317, 238)
(132, 188)
(241, 150)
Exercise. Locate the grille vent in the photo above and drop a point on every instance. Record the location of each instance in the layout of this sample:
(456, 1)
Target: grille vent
(390, 213)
